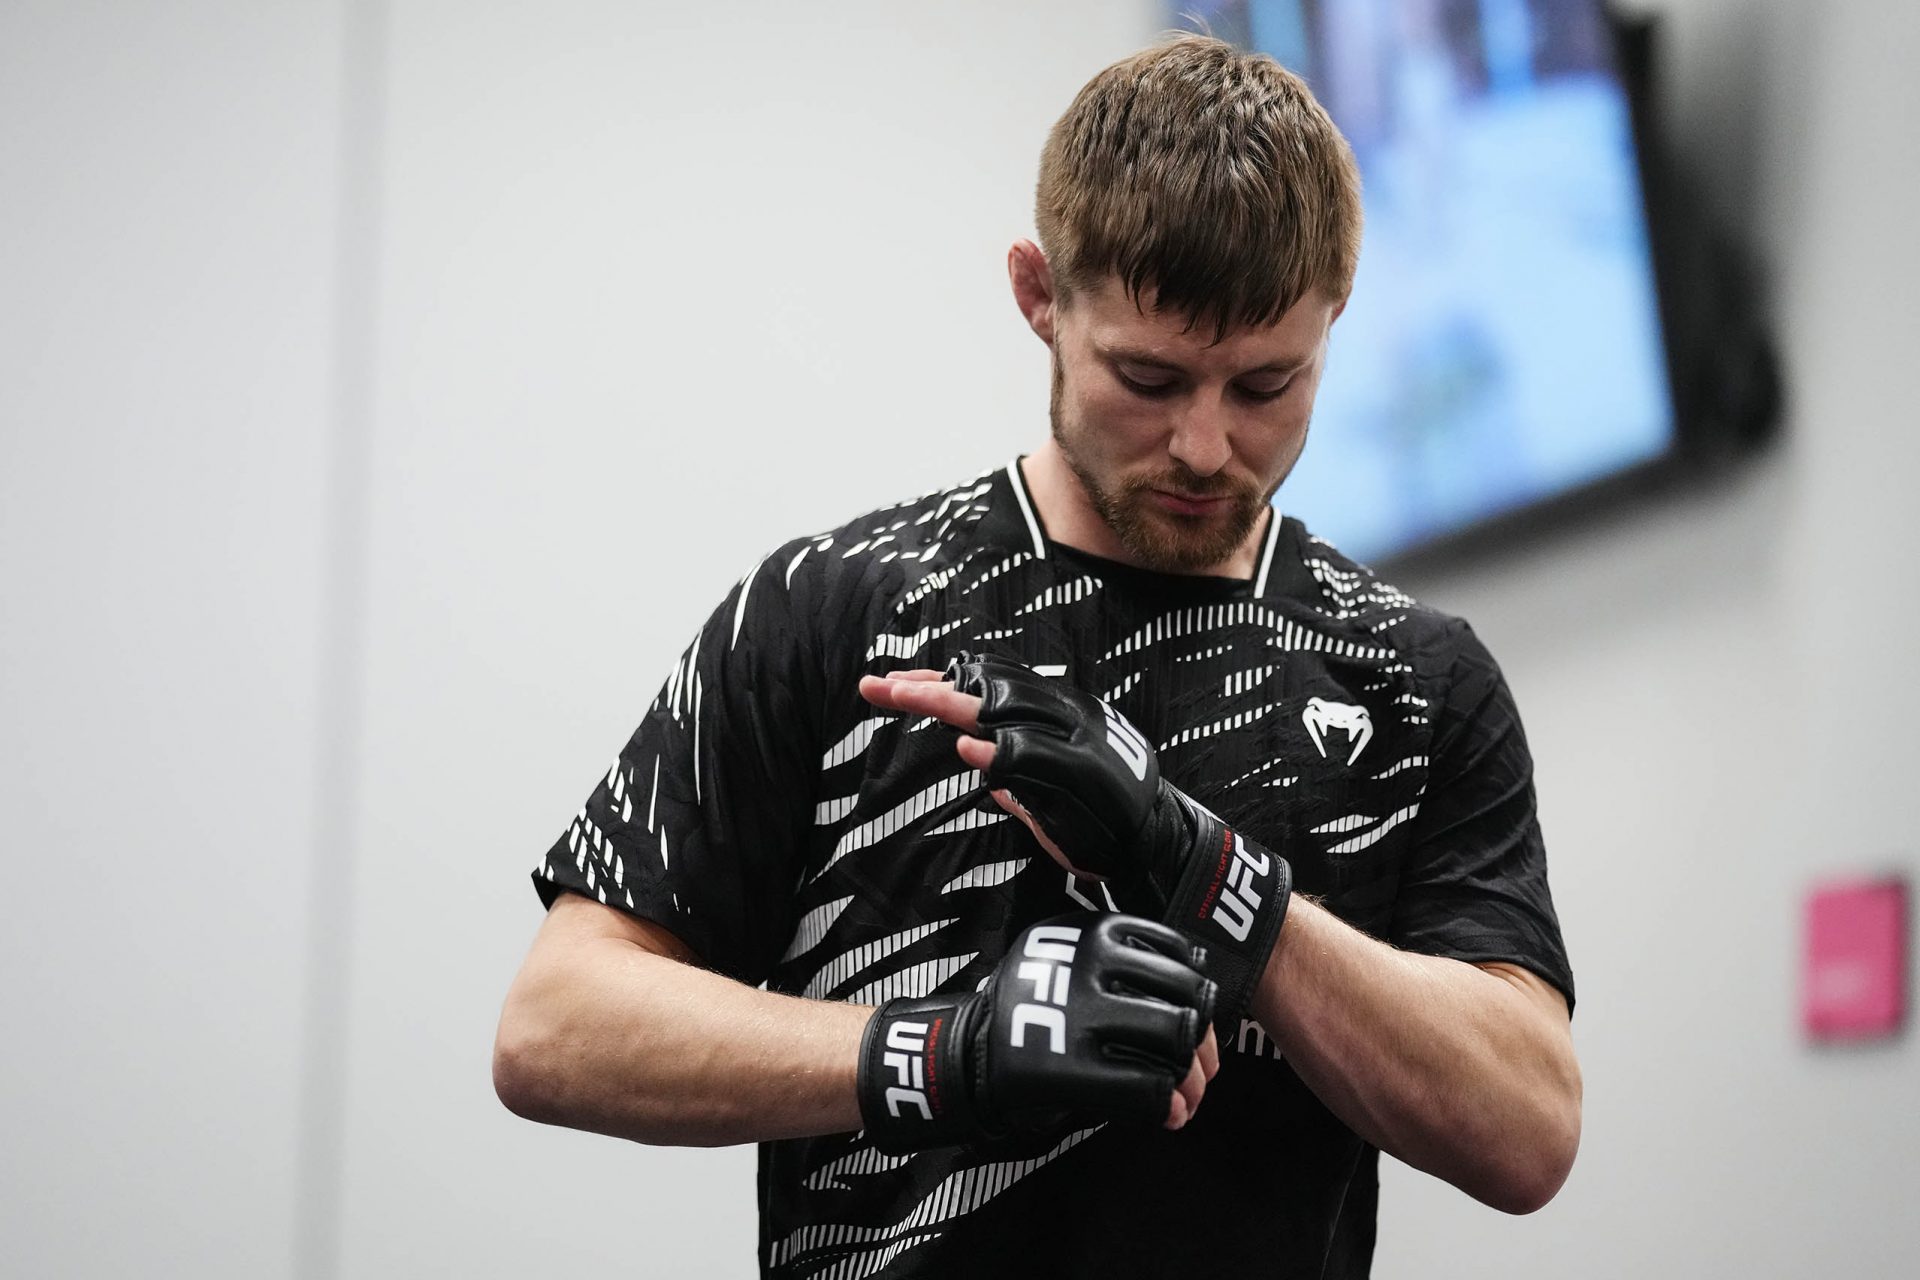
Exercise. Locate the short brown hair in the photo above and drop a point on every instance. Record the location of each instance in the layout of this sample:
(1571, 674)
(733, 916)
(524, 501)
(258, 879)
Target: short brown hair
(1211, 176)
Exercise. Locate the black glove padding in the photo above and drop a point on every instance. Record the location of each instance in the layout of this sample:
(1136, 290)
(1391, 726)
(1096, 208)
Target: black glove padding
(1090, 1015)
(1092, 782)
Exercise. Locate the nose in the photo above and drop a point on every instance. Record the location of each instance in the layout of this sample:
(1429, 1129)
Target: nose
(1200, 436)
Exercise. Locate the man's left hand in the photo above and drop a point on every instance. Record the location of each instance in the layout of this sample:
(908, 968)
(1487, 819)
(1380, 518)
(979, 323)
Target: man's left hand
(923, 692)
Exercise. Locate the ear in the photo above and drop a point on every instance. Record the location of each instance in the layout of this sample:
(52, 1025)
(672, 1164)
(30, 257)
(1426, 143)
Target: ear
(1033, 292)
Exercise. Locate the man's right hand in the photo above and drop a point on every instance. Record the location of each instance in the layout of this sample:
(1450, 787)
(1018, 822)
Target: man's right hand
(1093, 1016)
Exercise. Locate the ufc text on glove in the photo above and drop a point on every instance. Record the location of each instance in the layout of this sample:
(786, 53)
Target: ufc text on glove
(1091, 1015)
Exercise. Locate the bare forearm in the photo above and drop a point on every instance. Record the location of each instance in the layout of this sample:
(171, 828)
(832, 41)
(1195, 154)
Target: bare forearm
(1446, 1066)
(620, 1041)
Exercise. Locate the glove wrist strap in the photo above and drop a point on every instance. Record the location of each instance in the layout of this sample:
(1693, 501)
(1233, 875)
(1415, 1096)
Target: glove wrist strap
(1231, 900)
(913, 1086)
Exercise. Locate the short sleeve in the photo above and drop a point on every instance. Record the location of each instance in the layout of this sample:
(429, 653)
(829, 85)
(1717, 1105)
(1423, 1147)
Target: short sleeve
(701, 822)
(1475, 884)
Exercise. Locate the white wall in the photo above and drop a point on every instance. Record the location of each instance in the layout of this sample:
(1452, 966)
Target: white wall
(661, 287)
(167, 292)
(1721, 701)
(387, 389)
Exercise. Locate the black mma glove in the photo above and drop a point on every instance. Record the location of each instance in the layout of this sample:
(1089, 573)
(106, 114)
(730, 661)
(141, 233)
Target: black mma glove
(1091, 1014)
(1093, 784)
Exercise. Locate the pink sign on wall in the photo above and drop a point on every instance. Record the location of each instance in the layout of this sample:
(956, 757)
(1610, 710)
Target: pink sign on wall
(1853, 985)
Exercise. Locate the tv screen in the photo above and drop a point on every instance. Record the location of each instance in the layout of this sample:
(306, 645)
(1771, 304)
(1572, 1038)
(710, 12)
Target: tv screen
(1502, 345)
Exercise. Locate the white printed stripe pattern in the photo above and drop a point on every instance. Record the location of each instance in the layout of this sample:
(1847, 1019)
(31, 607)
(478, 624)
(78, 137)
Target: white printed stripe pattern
(740, 608)
(813, 927)
(1362, 841)
(942, 792)
(856, 1164)
(969, 820)
(1218, 726)
(854, 743)
(844, 966)
(1257, 769)
(1411, 762)
(987, 875)
(1066, 593)
(828, 812)
(1287, 634)
(957, 1195)
(897, 646)
(1017, 558)
(1241, 681)
(922, 979)
(1351, 592)
(620, 784)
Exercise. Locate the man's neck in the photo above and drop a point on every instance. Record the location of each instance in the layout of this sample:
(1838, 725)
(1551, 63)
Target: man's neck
(1060, 502)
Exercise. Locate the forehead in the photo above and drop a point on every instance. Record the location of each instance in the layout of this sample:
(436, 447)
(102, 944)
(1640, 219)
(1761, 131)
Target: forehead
(1113, 324)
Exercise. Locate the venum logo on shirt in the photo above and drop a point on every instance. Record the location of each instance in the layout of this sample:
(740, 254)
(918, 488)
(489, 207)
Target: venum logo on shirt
(1321, 715)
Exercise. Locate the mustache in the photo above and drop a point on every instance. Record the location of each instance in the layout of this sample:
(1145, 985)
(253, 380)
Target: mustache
(1185, 482)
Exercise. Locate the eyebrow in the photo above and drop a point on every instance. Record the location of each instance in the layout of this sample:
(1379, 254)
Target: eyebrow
(1128, 355)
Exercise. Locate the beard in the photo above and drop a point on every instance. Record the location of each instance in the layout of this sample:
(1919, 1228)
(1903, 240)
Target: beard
(1160, 539)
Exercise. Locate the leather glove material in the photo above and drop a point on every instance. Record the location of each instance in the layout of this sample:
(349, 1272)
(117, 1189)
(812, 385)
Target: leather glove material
(1093, 783)
(1090, 1015)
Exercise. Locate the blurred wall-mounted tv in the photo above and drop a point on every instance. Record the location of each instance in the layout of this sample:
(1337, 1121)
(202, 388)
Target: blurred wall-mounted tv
(1503, 347)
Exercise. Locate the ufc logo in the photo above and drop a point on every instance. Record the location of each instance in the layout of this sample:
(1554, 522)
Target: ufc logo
(906, 1056)
(1238, 898)
(1048, 966)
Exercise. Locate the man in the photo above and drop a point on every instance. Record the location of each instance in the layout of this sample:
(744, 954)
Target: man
(1106, 677)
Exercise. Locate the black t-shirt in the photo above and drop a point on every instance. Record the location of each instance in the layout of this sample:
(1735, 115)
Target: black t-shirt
(799, 838)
